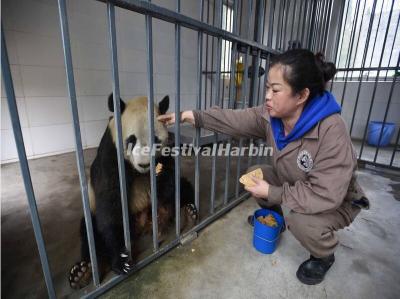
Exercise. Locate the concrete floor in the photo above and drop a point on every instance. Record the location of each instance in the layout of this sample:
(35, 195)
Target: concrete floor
(220, 263)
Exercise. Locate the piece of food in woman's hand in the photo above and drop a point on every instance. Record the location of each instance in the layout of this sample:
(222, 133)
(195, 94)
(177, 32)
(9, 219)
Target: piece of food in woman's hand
(246, 178)
(158, 168)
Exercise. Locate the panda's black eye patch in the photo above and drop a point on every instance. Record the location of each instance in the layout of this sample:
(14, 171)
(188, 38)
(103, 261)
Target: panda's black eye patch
(157, 140)
(131, 140)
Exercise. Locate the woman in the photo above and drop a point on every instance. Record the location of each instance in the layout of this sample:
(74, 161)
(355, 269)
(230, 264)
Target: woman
(314, 163)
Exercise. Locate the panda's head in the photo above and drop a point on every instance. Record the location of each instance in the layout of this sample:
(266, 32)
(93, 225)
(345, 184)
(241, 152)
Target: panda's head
(136, 130)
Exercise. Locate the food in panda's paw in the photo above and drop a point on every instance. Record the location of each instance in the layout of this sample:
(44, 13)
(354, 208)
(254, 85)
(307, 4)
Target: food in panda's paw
(159, 168)
(268, 220)
(247, 180)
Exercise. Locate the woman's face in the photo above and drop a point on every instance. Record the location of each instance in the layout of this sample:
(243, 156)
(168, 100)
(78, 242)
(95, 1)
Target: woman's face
(280, 102)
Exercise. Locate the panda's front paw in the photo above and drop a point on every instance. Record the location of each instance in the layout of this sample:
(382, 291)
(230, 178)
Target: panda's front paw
(122, 265)
(191, 211)
(80, 275)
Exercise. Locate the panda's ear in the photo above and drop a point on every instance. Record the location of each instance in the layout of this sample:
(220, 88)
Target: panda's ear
(111, 103)
(163, 105)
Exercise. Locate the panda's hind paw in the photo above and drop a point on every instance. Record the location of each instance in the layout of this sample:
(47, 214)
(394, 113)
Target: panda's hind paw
(80, 275)
(191, 211)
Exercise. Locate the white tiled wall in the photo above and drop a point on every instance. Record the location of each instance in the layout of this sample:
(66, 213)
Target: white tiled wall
(35, 52)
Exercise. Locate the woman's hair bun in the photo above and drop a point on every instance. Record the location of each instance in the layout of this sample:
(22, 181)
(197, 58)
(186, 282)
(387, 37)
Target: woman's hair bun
(328, 69)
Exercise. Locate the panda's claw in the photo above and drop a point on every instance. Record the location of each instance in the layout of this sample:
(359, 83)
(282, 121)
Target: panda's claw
(123, 265)
(80, 275)
(191, 210)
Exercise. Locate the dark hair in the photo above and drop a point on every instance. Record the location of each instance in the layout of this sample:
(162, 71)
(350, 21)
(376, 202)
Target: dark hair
(302, 69)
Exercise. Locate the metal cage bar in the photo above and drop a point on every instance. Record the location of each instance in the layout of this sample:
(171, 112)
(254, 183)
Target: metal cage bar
(150, 108)
(376, 80)
(177, 123)
(23, 162)
(78, 141)
(117, 119)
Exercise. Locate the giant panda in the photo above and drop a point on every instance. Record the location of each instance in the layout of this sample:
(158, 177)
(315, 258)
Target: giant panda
(104, 190)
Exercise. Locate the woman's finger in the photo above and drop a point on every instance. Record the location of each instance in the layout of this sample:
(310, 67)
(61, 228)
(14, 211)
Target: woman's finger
(167, 119)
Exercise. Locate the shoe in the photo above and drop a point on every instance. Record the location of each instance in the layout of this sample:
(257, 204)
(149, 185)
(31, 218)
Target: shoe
(313, 270)
(250, 220)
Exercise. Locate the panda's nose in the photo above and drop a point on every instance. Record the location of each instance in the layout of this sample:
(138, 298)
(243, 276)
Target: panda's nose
(144, 165)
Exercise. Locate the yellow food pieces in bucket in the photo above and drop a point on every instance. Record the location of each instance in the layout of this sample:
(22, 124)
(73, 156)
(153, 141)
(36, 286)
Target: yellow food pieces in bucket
(268, 220)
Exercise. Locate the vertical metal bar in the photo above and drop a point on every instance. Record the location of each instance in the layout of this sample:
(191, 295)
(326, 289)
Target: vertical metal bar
(281, 45)
(360, 82)
(19, 142)
(198, 107)
(328, 25)
(244, 100)
(321, 25)
(205, 76)
(310, 31)
(338, 32)
(395, 150)
(279, 29)
(386, 112)
(77, 133)
(217, 94)
(240, 19)
(244, 91)
(231, 101)
(224, 61)
(376, 37)
(285, 32)
(303, 27)
(117, 118)
(314, 28)
(391, 51)
(340, 37)
(318, 25)
(341, 34)
(348, 58)
(177, 123)
(150, 108)
(376, 78)
(358, 38)
(215, 100)
(293, 21)
(324, 14)
(271, 23)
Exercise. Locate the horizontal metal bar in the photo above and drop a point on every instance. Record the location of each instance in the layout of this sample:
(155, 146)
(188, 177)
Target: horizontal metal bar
(218, 214)
(167, 15)
(368, 162)
(114, 281)
(384, 68)
(140, 265)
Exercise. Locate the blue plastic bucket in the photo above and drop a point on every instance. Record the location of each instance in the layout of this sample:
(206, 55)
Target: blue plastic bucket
(374, 131)
(265, 238)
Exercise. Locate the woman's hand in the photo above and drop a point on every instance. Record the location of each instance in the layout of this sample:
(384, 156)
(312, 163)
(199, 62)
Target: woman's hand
(260, 190)
(169, 118)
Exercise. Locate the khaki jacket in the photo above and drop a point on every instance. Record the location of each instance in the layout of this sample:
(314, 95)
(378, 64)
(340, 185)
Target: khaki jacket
(317, 172)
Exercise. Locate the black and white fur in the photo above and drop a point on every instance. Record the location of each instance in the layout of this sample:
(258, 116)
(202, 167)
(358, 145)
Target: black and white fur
(105, 197)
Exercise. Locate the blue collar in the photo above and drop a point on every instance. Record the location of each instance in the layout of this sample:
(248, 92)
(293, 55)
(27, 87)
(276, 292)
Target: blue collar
(315, 110)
